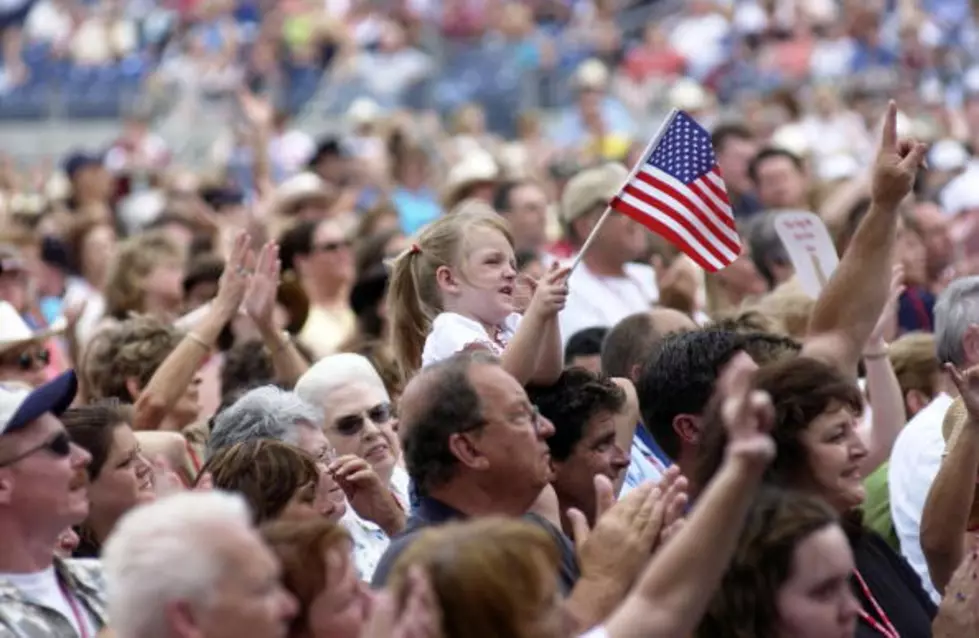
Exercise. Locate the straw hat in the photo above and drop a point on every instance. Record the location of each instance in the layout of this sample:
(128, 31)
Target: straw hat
(303, 187)
(591, 187)
(476, 167)
(14, 331)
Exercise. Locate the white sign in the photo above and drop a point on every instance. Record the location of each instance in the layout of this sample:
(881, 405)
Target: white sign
(810, 248)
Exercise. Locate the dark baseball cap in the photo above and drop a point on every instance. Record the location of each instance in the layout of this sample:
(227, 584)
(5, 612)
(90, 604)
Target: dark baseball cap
(79, 160)
(20, 405)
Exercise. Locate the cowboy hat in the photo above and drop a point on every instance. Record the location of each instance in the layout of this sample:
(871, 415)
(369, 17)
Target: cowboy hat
(300, 188)
(477, 167)
(14, 331)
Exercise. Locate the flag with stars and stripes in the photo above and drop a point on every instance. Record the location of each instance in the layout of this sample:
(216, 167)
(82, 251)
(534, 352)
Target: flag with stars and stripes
(678, 193)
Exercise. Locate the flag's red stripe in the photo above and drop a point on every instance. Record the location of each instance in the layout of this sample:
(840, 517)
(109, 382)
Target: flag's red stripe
(662, 230)
(721, 214)
(682, 199)
(720, 193)
(704, 242)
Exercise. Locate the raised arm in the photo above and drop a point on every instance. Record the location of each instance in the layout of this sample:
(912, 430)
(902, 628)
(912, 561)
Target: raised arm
(177, 371)
(849, 306)
(673, 593)
(950, 500)
(888, 415)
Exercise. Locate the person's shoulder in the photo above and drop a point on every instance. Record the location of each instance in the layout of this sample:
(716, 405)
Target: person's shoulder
(85, 571)
(390, 556)
(926, 425)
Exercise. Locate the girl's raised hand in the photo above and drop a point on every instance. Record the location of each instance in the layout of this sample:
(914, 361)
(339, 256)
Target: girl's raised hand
(551, 293)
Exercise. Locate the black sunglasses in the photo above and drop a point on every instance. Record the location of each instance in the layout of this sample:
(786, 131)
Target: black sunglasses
(59, 445)
(353, 424)
(28, 360)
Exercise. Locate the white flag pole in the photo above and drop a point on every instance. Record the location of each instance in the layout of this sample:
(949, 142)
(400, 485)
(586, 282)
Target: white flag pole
(632, 173)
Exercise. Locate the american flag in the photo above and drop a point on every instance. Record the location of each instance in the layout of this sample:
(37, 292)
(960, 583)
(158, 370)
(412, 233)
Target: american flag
(678, 193)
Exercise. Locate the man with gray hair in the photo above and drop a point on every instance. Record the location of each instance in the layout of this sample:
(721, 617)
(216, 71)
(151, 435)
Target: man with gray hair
(193, 564)
(918, 450)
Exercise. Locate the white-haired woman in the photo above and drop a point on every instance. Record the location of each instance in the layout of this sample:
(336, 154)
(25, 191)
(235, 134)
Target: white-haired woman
(359, 421)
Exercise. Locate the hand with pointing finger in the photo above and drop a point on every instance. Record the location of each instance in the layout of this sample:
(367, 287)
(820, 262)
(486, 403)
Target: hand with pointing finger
(896, 165)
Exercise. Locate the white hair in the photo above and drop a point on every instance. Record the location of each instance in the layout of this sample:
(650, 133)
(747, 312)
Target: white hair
(167, 551)
(334, 372)
(955, 311)
(267, 412)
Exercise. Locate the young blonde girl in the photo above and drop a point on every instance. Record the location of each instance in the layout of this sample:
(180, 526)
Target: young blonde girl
(454, 289)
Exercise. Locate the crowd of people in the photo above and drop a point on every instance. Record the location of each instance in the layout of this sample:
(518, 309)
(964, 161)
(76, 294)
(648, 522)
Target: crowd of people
(377, 385)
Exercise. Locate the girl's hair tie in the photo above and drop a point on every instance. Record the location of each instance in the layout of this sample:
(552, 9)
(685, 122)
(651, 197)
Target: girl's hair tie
(415, 249)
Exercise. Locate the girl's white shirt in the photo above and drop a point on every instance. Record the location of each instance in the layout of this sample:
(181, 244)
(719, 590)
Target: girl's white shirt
(452, 333)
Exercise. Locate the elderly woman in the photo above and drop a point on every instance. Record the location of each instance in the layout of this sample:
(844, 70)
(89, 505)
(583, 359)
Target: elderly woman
(820, 451)
(269, 412)
(359, 418)
(277, 480)
(120, 477)
(790, 577)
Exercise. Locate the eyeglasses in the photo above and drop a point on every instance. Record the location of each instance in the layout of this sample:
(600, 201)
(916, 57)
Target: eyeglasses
(332, 246)
(29, 360)
(59, 446)
(354, 423)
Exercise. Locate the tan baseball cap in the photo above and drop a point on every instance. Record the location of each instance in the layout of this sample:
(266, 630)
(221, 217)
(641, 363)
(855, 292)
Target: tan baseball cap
(589, 188)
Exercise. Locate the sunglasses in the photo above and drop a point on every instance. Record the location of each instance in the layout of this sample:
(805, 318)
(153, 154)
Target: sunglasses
(332, 246)
(353, 424)
(59, 446)
(28, 360)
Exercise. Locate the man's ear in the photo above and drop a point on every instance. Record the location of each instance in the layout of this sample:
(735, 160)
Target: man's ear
(181, 621)
(914, 401)
(6, 486)
(687, 427)
(466, 452)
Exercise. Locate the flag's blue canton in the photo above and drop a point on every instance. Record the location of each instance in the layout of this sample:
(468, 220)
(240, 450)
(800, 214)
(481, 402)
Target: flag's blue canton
(685, 151)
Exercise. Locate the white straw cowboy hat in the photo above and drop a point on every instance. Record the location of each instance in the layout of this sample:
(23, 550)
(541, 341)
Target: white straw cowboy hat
(14, 331)
(301, 188)
(477, 167)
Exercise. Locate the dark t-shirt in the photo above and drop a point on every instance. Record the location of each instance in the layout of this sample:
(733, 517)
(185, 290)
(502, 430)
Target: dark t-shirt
(430, 512)
(895, 586)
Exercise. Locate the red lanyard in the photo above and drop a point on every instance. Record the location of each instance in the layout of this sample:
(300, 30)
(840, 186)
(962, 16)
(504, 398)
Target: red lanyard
(887, 629)
(75, 610)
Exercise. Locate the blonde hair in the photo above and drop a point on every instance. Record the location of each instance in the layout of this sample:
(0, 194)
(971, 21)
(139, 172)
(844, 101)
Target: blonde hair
(491, 577)
(789, 307)
(414, 299)
(136, 258)
(916, 363)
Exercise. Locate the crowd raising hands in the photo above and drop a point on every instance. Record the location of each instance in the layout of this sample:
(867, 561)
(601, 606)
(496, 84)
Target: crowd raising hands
(457, 467)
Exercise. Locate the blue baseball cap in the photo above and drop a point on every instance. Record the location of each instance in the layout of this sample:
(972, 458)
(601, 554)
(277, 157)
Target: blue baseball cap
(20, 405)
(77, 161)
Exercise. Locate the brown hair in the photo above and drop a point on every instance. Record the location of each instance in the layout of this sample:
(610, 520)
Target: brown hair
(301, 548)
(492, 577)
(414, 299)
(746, 605)
(915, 361)
(267, 473)
(801, 389)
(92, 427)
(134, 261)
(131, 349)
